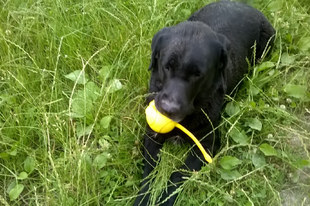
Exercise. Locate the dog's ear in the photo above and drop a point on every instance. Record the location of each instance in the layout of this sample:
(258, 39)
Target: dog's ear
(224, 53)
(225, 48)
(223, 60)
(158, 43)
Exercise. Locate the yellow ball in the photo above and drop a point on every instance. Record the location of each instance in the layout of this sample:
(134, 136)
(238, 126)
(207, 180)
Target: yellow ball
(157, 121)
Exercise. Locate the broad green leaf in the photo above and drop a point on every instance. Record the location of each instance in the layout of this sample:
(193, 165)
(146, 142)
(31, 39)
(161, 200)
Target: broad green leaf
(104, 73)
(275, 6)
(265, 65)
(296, 91)
(232, 108)
(129, 183)
(81, 130)
(104, 143)
(11, 186)
(7, 99)
(92, 91)
(185, 12)
(15, 192)
(87, 160)
(264, 78)
(304, 43)
(82, 102)
(114, 86)
(289, 38)
(22, 176)
(258, 160)
(105, 121)
(254, 90)
(4, 155)
(13, 152)
(287, 59)
(81, 105)
(107, 137)
(302, 163)
(272, 72)
(77, 76)
(300, 75)
(70, 201)
(228, 199)
(295, 176)
(229, 162)
(267, 149)
(230, 175)
(261, 103)
(248, 203)
(252, 104)
(254, 123)
(103, 173)
(29, 164)
(76, 115)
(101, 160)
(238, 137)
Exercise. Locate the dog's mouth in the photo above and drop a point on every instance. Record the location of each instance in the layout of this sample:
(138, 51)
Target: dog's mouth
(175, 100)
(171, 109)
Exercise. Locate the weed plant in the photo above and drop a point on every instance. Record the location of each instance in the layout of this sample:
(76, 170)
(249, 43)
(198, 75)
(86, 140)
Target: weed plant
(73, 80)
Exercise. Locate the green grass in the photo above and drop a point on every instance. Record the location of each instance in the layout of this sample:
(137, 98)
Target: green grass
(73, 78)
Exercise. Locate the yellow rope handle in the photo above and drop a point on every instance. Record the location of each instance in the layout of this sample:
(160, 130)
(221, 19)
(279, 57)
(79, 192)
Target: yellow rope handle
(205, 154)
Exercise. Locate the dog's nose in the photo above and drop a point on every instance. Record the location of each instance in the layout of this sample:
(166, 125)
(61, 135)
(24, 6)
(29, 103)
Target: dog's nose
(169, 107)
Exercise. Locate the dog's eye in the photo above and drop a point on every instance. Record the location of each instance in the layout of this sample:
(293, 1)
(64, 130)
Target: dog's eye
(167, 68)
(197, 74)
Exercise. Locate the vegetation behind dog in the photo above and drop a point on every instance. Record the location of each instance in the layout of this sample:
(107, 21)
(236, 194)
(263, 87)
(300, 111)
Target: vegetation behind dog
(73, 83)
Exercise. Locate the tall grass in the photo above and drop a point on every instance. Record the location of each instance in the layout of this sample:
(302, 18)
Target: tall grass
(73, 78)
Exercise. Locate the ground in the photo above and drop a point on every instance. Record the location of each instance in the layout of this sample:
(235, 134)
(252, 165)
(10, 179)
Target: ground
(73, 80)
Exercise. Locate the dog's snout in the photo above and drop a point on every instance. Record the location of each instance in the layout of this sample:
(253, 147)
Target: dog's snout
(169, 107)
(173, 100)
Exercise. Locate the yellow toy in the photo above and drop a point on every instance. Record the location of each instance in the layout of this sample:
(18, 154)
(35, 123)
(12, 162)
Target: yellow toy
(162, 124)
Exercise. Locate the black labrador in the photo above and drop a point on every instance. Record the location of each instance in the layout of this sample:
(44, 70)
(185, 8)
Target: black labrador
(194, 65)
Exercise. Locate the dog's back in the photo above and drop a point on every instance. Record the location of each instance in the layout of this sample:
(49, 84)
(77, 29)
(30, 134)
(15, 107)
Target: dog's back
(243, 26)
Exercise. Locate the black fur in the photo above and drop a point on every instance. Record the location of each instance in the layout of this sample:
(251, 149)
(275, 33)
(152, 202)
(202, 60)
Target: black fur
(194, 65)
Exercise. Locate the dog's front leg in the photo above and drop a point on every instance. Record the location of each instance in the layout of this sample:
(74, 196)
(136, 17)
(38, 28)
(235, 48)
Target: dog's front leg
(192, 163)
(152, 144)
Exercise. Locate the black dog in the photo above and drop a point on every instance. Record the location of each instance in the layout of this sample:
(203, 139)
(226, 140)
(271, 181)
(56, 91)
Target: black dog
(194, 65)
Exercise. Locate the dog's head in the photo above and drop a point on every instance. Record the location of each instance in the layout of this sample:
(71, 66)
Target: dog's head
(187, 59)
